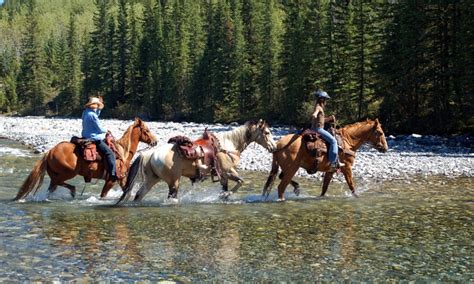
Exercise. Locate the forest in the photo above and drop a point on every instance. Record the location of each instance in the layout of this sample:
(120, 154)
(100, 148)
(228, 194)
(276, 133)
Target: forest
(409, 63)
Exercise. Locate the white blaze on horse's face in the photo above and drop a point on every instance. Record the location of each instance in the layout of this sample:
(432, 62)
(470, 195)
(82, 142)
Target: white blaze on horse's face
(265, 137)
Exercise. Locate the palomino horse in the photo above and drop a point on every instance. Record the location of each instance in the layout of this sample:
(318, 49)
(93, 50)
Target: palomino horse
(63, 162)
(165, 163)
(291, 154)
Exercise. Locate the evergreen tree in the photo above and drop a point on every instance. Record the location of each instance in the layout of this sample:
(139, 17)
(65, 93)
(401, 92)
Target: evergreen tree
(32, 81)
(248, 55)
(136, 90)
(96, 55)
(269, 51)
(123, 53)
(73, 71)
(111, 65)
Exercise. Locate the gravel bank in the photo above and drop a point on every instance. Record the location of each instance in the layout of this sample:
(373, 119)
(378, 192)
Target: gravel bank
(407, 155)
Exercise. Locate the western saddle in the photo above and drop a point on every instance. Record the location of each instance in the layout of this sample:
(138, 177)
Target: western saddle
(87, 149)
(203, 151)
(317, 147)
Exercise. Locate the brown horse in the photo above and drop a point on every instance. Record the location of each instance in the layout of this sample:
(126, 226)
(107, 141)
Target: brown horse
(166, 163)
(291, 154)
(62, 163)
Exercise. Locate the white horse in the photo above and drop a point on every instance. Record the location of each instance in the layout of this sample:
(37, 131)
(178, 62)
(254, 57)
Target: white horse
(166, 163)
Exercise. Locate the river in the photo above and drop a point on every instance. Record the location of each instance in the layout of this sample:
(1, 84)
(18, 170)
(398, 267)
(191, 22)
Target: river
(416, 229)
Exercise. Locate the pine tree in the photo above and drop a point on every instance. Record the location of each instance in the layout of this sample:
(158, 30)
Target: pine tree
(73, 71)
(96, 53)
(135, 97)
(123, 53)
(32, 82)
(295, 68)
(269, 84)
(249, 55)
(111, 64)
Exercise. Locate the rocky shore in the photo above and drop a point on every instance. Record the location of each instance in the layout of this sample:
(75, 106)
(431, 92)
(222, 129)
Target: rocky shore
(408, 155)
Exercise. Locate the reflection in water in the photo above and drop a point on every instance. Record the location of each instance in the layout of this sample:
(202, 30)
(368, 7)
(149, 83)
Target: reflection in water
(420, 230)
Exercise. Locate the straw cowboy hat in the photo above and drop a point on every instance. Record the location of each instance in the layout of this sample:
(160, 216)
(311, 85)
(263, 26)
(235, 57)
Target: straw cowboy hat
(96, 101)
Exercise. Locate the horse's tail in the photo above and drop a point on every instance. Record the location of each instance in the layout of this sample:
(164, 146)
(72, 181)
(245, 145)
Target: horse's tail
(134, 174)
(271, 178)
(34, 180)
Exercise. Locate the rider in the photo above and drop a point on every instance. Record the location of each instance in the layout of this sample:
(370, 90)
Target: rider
(91, 129)
(317, 124)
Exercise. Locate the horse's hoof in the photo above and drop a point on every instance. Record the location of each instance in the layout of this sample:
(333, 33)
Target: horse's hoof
(225, 195)
(173, 200)
(297, 191)
(355, 195)
(281, 200)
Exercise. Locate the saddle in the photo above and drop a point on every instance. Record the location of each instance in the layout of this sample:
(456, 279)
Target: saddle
(205, 148)
(317, 147)
(87, 149)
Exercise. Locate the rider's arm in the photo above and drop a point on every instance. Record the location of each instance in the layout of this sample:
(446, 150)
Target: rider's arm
(96, 123)
(329, 119)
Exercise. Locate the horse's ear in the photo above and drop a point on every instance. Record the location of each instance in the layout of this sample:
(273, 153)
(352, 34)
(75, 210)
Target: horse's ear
(138, 120)
(261, 122)
(377, 122)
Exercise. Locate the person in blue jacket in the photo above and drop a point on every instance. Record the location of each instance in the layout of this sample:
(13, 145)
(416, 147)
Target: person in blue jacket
(91, 129)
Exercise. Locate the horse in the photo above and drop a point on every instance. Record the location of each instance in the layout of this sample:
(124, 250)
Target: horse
(165, 162)
(291, 154)
(63, 162)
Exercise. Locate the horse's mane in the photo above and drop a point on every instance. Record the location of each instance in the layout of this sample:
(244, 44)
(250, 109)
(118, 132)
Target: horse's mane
(125, 139)
(358, 124)
(239, 135)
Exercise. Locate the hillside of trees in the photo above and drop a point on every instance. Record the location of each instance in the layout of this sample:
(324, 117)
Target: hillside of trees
(410, 63)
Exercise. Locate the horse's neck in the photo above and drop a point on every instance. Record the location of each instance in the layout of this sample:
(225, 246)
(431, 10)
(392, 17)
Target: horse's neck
(356, 134)
(129, 147)
(234, 140)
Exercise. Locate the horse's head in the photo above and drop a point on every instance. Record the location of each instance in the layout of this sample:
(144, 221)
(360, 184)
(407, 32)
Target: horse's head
(260, 133)
(145, 134)
(377, 137)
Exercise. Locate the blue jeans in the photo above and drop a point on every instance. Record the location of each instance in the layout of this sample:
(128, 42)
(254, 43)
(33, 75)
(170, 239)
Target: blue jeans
(109, 156)
(332, 153)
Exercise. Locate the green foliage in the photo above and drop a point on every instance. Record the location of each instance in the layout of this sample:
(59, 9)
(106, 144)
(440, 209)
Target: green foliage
(410, 62)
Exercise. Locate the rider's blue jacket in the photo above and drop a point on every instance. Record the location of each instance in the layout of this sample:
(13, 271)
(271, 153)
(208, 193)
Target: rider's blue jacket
(91, 128)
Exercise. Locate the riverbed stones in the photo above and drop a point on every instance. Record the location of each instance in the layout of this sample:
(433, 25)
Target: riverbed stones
(407, 155)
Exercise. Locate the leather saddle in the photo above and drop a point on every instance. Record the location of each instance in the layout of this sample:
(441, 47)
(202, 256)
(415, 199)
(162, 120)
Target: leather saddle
(87, 149)
(317, 147)
(205, 148)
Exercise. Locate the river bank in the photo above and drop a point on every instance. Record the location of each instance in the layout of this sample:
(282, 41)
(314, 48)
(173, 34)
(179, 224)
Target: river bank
(407, 155)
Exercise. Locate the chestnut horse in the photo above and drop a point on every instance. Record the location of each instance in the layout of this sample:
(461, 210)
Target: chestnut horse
(291, 154)
(63, 163)
(165, 163)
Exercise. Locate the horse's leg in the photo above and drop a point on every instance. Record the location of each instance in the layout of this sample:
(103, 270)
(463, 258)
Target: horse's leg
(327, 179)
(107, 186)
(53, 186)
(224, 182)
(173, 190)
(149, 182)
(286, 177)
(225, 185)
(347, 171)
(234, 175)
(296, 187)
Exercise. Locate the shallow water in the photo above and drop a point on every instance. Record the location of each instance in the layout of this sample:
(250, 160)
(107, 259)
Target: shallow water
(418, 229)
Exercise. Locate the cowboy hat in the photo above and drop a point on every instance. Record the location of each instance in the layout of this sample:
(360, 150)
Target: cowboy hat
(94, 100)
